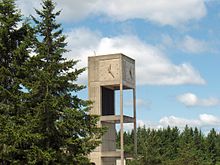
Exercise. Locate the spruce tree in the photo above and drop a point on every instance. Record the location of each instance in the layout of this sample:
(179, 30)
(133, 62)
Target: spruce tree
(218, 148)
(68, 133)
(211, 146)
(149, 147)
(169, 143)
(15, 132)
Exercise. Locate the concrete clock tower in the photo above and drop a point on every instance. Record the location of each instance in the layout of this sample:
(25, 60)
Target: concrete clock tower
(106, 74)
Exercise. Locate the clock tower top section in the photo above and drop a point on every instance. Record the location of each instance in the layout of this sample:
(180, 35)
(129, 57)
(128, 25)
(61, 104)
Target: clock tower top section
(112, 70)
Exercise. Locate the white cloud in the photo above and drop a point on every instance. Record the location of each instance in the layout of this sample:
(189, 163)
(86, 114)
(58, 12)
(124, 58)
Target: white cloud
(160, 11)
(27, 7)
(190, 100)
(192, 45)
(72, 10)
(140, 123)
(82, 43)
(152, 66)
(204, 120)
(209, 119)
(180, 122)
(186, 44)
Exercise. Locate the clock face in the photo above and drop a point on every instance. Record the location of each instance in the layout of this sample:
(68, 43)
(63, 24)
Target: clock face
(109, 70)
(129, 72)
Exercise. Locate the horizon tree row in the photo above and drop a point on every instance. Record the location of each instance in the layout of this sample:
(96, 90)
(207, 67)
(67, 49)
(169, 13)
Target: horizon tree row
(170, 146)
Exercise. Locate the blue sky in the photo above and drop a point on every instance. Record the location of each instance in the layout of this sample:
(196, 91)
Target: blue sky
(175, 45)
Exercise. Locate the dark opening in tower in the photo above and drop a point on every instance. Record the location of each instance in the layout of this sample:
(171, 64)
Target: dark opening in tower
(108, 101)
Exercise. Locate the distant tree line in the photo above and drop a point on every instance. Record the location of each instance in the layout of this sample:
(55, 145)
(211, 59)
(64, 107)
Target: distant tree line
(170, 146)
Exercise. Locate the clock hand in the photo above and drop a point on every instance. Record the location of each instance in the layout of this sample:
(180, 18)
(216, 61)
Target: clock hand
(110, 72)
(109, 68)
(130, 74)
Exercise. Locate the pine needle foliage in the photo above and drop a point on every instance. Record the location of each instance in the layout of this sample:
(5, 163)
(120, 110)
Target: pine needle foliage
(68, 132)
(15, 118)
(42, 118)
